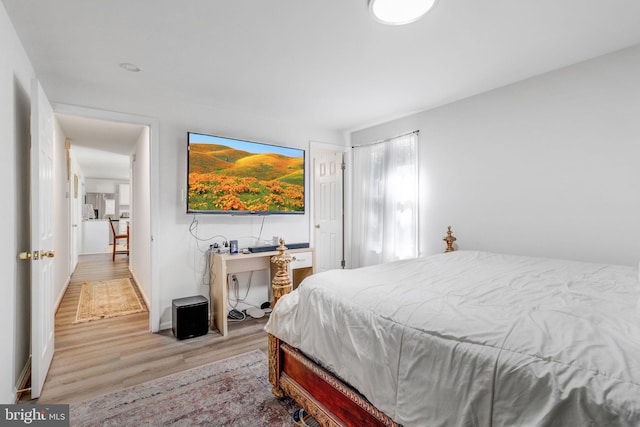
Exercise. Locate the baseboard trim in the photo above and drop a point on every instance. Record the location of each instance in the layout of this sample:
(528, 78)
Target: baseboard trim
(168, 324)
(23, 379)
(144, 295)
(59, 300)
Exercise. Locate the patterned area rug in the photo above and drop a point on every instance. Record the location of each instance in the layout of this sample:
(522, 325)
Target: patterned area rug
(230, 392)
(108, 298)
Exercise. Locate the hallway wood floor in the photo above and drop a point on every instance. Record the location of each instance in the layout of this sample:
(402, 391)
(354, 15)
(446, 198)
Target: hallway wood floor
(105, 355)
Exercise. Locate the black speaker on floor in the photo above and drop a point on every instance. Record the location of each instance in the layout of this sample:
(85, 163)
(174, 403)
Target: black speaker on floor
(190, 317)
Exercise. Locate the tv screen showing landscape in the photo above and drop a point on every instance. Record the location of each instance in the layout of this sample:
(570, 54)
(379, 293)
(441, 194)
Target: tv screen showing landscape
(228, 175)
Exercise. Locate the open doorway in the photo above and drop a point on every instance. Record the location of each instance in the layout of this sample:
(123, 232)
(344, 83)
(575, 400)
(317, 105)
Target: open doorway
(100, 172)
(110, 171)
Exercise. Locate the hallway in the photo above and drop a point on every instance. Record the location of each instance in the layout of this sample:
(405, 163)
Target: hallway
(105, 355)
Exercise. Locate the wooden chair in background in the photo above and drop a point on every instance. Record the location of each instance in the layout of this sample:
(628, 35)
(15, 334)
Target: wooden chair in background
(117, 237)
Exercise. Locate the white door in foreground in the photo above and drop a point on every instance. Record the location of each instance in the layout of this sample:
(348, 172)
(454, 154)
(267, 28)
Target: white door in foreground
(42, 244)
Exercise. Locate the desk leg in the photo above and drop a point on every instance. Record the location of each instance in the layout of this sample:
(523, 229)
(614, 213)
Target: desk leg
(218, 292)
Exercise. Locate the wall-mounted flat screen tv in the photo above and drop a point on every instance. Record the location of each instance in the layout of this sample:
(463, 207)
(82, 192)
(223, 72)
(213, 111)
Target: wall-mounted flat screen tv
(233, 176)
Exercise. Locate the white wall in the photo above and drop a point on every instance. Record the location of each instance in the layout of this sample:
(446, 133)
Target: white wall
(140, 239)
(181, 257)
(96, 185)
(77, 205)
(545, 167)
(61, 216)
(15, 75)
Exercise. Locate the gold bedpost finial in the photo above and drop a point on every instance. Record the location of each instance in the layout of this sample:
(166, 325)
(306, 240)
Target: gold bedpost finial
(281, 283)
(449, 239)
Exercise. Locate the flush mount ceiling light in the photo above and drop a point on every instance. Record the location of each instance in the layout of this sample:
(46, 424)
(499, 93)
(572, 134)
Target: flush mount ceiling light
(130, 67)
(399, 12)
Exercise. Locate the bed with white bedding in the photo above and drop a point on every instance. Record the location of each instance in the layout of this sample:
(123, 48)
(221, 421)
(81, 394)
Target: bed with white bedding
(476, 339)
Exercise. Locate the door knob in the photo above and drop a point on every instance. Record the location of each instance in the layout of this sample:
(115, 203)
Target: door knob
(49, 254)
(317, 225)
(24, 255)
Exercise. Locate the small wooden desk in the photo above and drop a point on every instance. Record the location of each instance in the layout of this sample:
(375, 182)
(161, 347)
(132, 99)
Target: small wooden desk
(224, 264)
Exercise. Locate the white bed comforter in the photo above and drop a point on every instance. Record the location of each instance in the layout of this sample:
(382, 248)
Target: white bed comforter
(477, 339)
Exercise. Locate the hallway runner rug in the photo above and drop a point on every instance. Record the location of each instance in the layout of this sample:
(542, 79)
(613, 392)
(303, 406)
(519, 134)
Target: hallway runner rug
(231, 392)
(107, 298)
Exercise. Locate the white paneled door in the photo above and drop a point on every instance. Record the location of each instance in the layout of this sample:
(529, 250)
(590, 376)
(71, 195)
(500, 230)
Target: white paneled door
(42, 243)
(328, 209)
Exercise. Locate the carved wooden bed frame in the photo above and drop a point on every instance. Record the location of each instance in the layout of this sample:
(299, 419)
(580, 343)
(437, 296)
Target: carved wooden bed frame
(329, 400)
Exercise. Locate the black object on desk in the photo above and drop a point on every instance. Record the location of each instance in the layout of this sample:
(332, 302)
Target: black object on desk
(273, 248)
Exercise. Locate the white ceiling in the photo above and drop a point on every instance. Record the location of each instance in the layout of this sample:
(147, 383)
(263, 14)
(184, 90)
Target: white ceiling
(101, 148)
(325, 63)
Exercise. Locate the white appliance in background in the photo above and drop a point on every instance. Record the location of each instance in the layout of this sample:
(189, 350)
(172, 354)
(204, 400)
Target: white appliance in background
(104, 203)
(88, 212)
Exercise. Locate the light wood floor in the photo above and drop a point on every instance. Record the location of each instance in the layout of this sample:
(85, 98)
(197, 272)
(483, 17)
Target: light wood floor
(105, 355)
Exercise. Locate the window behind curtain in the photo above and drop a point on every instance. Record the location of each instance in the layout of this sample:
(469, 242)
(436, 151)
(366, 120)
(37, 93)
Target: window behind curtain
(385, 201)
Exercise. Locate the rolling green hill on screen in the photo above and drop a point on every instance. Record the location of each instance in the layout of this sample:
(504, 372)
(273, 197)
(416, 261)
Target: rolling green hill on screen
(207, 158)
(222, 178)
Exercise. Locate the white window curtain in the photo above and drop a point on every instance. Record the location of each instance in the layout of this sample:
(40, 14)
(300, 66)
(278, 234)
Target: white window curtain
(385, 201)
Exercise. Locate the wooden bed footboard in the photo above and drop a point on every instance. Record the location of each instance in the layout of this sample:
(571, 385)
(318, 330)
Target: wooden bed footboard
(330, 401)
